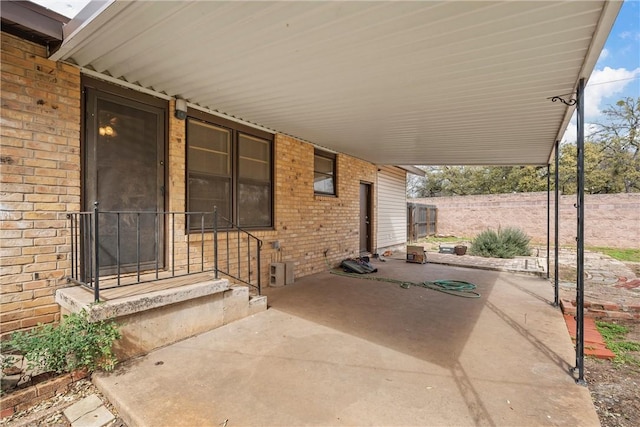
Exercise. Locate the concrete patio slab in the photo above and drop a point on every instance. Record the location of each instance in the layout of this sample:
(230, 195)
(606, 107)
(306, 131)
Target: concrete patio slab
(335, 350)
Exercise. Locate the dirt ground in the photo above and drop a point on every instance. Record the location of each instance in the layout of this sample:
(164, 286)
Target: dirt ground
(615, 387)
(635, 267)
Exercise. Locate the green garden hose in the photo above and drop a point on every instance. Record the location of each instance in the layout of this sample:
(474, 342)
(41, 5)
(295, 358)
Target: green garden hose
(457, 288)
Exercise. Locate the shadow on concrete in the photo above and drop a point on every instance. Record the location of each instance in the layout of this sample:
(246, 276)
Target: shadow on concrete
(511, 280)
(336, 350)
(471, 396)
(537, 343)
(423, 323)
(420, 322)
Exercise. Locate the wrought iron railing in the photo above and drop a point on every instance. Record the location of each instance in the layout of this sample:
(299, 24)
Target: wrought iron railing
(121, 248)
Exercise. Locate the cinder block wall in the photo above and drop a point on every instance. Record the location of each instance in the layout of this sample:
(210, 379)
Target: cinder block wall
(40, 154)
(611, 220)
(40, 175)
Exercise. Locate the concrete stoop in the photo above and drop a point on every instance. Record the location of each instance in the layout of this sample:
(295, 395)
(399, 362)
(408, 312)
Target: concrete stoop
(159, 318)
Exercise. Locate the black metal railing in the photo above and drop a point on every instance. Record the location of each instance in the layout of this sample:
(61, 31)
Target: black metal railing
(121, 248)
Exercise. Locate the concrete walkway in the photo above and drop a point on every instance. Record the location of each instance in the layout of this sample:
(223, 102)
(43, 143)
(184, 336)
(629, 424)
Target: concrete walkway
(528, 265)
(335, 350)
(607, 280)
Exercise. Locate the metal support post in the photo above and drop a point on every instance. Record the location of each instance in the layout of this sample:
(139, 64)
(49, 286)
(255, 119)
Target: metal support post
(556, 296)
(259, 268)
(548, 218)
(215, 241)
(96, 252)
(580, 237)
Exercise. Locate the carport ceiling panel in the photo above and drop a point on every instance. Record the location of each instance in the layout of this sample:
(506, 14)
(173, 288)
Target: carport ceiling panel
(389, 82)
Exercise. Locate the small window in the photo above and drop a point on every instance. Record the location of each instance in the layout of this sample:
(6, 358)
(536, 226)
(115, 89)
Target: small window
(324, 173)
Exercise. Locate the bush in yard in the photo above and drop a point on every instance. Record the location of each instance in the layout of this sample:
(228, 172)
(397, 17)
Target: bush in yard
(504, 243)
(74, 344)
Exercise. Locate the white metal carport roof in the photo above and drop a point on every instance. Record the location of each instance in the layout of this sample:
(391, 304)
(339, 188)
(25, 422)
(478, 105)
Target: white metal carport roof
(457, 82)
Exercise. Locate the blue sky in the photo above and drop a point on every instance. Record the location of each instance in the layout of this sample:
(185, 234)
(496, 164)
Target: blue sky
(617, 72)
(623, 45)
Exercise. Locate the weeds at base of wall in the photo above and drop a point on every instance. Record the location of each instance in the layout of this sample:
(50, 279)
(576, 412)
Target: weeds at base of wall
(75, 344)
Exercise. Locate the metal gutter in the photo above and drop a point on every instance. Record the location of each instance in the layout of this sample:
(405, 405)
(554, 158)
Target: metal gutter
(411, 169)
(33, 19)
(95, 13)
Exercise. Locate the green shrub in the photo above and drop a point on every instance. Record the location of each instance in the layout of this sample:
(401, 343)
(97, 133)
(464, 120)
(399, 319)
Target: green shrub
(485, 244)
(505, 243)
(74, 344)
(515, 241)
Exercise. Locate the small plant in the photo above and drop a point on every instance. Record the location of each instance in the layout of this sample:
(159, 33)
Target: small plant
(614, 336)
(74, 344)
(504, 243)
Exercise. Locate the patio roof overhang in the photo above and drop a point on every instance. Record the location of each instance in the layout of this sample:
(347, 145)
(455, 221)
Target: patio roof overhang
(431, 83)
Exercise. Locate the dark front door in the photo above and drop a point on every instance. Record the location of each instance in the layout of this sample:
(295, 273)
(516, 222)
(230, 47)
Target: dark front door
(124, 172)
(365, 217)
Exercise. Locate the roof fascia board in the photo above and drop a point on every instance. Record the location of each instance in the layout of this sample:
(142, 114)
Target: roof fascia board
(610, 10)
(411, 169)
(95, 14)
(34, 17)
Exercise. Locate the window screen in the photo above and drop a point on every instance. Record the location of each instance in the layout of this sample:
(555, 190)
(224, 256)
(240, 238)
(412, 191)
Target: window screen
(324, 173)
(230, 170)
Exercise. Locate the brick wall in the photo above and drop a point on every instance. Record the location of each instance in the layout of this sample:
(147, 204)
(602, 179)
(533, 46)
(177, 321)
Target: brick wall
(40, 175)
(40, 150)
(611, 220)
(307, 224)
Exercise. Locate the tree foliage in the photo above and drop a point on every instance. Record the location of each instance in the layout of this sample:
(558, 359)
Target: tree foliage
(620, 143)
(611, 164)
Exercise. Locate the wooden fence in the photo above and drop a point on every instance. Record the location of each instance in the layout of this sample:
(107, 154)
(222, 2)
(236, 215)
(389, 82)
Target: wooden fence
(422, 221)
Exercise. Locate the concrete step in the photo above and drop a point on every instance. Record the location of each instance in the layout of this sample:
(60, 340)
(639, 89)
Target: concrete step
(156, 318)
